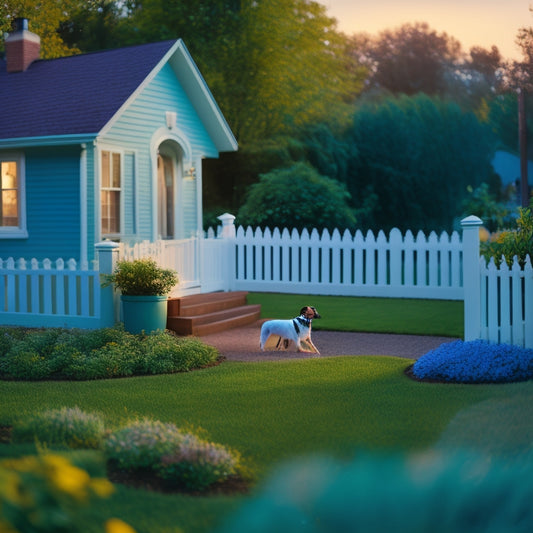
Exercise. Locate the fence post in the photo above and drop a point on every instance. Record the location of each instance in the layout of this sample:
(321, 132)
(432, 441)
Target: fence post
(228, 234)
(107, 254)
(471, 278)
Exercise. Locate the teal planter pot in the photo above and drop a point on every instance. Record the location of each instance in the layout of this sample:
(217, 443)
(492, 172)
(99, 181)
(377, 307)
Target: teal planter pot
(144, 313)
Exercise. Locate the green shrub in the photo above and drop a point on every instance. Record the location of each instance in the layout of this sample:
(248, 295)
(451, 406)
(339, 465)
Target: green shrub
(141, 444)
(141, 277)
(181, 459)
(197, 464)
(517, 242)
(97, 354)
(297, 197)
(68, 426)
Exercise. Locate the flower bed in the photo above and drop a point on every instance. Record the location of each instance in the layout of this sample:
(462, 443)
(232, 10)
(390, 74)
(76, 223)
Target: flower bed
(475, 362)
(77, 354)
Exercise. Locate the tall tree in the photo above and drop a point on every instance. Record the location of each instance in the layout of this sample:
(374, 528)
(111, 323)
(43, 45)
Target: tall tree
(273, 65)
(409, 60)
(416, 158)
(94, 25)
(45, 18)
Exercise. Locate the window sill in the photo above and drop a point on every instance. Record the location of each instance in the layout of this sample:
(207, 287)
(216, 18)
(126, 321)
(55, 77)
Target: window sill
(16, 233)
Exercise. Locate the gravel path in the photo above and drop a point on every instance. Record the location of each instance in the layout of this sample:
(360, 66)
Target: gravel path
(242, 344)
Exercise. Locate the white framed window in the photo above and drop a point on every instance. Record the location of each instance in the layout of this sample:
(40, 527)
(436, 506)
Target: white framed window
(110, 192)
(12, 196)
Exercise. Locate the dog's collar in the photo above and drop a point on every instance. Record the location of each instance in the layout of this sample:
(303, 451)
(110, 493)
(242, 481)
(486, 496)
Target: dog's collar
(305, 322)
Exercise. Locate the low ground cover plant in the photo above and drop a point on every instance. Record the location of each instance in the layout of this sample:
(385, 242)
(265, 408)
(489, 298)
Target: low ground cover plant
(68, 426)
(78, 354)
(475, 362)
(180, 459)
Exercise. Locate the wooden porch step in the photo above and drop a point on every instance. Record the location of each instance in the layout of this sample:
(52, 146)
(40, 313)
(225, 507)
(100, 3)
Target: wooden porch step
(203, 314)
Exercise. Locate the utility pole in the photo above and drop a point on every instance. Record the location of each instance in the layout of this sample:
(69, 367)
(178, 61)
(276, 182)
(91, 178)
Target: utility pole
(522, 136)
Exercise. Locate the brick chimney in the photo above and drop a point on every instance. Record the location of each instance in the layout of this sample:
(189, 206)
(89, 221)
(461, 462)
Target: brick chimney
(22, 47)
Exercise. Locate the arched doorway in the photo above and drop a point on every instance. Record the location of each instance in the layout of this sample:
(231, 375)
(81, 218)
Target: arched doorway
(168, 173)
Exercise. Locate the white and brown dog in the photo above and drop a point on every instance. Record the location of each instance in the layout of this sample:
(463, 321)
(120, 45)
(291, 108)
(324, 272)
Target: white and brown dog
(297, 330)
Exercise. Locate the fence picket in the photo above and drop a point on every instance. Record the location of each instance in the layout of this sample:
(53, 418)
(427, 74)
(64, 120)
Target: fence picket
(492, 299)
(527, 293)
(504, 304)
(516, 313)
(421, 259)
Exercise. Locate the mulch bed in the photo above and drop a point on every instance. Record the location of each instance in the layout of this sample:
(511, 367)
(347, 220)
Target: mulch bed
(146, 480)
(5, 434)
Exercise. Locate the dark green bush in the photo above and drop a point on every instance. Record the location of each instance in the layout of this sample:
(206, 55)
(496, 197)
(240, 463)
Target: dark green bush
(96, 354)
(297, 197)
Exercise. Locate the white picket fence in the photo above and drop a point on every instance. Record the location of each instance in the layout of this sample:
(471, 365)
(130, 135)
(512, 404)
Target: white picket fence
(498, 302)
(507, 303)
(52, 293)
(397, 266)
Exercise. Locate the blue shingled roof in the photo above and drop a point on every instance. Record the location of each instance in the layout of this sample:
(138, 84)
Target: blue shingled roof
(73, 95)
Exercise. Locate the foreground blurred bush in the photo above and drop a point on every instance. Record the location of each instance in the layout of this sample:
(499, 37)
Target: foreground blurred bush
(41, 494)
(441, 493)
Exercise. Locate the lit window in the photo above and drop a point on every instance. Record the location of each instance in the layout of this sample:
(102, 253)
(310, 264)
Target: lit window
(12, 223)
(110, 193)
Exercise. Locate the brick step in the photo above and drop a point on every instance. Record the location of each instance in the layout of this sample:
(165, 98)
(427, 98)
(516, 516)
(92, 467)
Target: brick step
(203, 314)
(199, 304)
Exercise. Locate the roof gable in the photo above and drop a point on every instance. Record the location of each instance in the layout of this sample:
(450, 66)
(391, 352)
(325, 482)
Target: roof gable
(80, 95)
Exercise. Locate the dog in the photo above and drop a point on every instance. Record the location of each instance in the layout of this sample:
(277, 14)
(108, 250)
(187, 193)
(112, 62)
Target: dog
(297, 330)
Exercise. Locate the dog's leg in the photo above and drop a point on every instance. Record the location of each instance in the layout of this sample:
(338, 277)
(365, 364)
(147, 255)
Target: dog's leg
(311, 343)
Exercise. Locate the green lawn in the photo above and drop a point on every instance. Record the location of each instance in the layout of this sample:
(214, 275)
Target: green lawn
(378, 315)
(272, 412)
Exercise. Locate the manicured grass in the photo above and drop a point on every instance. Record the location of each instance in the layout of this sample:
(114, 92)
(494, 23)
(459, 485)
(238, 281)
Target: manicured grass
(379, 315)
(270, 412)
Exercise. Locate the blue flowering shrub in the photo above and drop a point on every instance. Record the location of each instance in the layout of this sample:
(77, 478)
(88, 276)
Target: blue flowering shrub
(475, 362)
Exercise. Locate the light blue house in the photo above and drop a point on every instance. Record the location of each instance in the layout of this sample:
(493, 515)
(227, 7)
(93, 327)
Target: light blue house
(102, 146)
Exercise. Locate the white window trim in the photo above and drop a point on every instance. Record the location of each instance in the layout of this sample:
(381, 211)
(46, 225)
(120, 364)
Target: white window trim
(98, 182)
(21, 231)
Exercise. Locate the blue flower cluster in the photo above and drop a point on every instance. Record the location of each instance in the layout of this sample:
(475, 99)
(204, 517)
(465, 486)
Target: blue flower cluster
(475, 362)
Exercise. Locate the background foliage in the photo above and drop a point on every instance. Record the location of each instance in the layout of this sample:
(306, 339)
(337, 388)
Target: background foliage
(295, 89)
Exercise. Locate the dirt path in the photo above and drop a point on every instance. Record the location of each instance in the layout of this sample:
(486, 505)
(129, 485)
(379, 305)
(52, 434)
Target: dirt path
(242, 344)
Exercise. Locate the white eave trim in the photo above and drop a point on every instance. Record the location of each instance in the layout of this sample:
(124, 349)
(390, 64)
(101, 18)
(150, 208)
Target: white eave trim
(48, 140)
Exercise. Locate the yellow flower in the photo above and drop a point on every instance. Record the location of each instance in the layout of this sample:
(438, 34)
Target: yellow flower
(66, 477)
(115, 525)
(9, 486)
(484, 234)
(102, 487)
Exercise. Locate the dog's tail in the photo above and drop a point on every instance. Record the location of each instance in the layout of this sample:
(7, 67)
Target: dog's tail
(264, 336)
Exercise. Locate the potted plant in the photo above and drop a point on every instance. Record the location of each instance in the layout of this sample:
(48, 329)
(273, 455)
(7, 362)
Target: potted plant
(144, 287)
